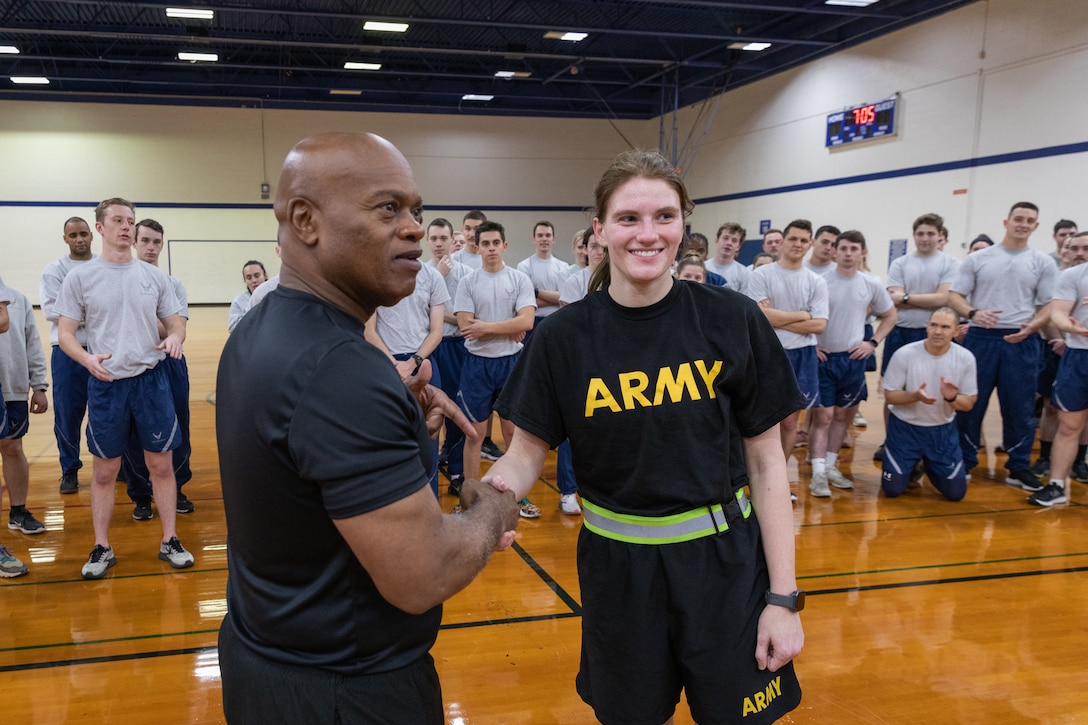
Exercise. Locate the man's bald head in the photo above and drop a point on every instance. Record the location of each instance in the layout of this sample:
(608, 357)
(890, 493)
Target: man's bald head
(349, 216)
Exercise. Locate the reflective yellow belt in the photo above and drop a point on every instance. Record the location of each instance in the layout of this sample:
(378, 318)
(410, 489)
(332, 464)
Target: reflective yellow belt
(705, 521)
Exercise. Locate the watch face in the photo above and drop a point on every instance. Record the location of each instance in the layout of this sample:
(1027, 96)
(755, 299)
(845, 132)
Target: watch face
(799, 600)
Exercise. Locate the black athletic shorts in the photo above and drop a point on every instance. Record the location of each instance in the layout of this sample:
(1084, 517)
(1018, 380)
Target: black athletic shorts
(259, 691)
(660, 618)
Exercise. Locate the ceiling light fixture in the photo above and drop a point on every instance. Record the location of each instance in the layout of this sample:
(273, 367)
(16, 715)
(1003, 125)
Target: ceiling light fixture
(345, 92)
(475, 97)
(750, 46)
(561, 35)
(199, 57)
(508, 74)
(851, 3)
(30, 80)
(382, 27)
(8, 50)
(353, 65)
(190, 13)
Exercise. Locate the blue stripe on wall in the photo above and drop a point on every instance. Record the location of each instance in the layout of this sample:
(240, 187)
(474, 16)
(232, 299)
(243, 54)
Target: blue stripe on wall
(1041, 153)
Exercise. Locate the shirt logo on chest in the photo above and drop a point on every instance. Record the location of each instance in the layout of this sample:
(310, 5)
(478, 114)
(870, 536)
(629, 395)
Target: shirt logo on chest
(669, 385)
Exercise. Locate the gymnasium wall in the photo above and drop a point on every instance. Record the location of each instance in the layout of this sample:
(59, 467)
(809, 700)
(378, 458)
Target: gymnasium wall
(992, 110)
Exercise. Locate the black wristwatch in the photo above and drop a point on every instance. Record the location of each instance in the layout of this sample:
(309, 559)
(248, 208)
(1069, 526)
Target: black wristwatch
(906, 297)
(795, 601)
(971, 314)
(873, 341)
(952, 399)
(419, 363)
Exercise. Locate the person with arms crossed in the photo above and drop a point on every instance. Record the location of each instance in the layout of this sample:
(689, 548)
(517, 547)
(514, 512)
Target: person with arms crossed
(668, 424)
(926, 383)
(337, 627)
(122, 301)
(69, 377)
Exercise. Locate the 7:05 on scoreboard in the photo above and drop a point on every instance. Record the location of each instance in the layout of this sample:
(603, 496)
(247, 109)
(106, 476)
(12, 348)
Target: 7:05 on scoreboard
(862, 123)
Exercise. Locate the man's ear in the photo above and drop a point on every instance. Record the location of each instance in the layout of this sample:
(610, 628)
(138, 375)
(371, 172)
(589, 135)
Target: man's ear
(303, 218)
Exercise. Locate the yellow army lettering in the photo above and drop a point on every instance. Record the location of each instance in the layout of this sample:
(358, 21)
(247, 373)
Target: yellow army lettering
(760, 701)
(632, 386)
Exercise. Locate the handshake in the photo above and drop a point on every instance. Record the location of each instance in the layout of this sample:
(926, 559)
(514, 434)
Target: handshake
(493, 505)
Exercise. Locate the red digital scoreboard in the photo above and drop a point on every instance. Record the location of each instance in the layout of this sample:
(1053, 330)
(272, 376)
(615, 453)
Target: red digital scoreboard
(861, 123)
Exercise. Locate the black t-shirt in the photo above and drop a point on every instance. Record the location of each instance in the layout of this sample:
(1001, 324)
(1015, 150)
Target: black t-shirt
(314, 424)
(655, 400)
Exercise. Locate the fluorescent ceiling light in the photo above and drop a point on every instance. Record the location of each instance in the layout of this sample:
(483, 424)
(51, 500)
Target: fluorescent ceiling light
(345, 92)
(206, 57)
(475, 97)
(192, 13)
(385, 27)
(560, 35)
(30, 80)
(352, 65)
(851, 3)
(749, 46)
(512, 74)
(8, 50)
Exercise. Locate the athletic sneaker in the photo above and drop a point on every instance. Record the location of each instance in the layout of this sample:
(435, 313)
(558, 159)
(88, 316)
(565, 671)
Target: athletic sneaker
(1052, 494)
(1041, 468)
(836, 479)
(489, 451)
(444, 456)
(528, 509)
(69, 482)
(859, 420)
(818, 487)
(456, 481)
(26, 523)
(141, 509)
(173, 552)
(793, 497)
(100, 561)
(878, 454)
(1079, 472)
(10, 567)
(184, 505)
(1025, 480)
(568, 504)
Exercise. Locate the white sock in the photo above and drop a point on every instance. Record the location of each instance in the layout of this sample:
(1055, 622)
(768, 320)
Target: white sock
(1059, 484)
(831, 459)
(818, 465)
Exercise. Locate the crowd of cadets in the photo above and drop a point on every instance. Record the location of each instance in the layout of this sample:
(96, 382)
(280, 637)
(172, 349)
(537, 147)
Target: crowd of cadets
(952, 331)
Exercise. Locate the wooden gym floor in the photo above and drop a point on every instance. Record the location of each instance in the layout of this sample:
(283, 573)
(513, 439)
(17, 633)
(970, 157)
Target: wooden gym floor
(919, 610)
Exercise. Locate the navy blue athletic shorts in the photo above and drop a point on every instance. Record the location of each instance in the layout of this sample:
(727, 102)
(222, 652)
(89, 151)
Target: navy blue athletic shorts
(16, 420)
(1070, 392)
(938, 447)
(143, 402)
(806, 369)
(842, 381)
(482, 379)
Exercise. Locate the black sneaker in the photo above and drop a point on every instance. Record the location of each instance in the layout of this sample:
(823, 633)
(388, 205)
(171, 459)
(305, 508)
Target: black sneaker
(490, 451)
(1024, 479)
(1052, 494)
(878, 454)
(444, 456)
(26, 523)
(456, 481)
(141, 510)
(184, 505)
(69, 482)
(1041, 468)
(1079, 472)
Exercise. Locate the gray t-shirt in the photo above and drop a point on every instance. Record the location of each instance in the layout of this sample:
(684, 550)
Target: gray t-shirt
(575, 286)
(404, 326)
(121, 305)
(1073, 285)
(22, 360)
(849, 300)
(238, 309)
(911, 365)
(826, 271)
(494, 297)
(1013, 281)
(545, 274)
(920, 275)
(735, 273)
(453, 279)
(472, 261)
(52, 278)
(181, 294)
(797, 290)
(263, 290)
